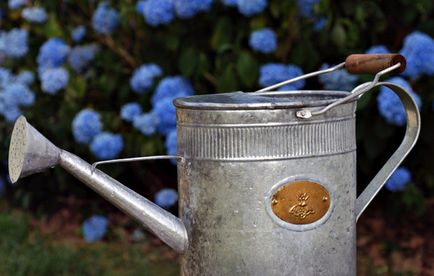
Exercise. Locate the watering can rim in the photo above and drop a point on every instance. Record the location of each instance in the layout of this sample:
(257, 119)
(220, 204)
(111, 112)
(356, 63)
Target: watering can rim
(266, 100)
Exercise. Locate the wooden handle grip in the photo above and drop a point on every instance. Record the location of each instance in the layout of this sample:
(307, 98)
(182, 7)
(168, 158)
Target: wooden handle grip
(373, 63)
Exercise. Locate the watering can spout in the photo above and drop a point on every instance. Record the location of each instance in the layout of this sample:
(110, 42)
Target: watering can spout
(30, 152)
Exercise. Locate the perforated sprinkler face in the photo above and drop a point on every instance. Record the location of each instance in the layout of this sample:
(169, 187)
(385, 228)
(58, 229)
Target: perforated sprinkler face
(17, 149)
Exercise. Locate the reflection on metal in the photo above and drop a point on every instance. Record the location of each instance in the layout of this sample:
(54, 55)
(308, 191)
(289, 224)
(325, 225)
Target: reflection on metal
(301, 202)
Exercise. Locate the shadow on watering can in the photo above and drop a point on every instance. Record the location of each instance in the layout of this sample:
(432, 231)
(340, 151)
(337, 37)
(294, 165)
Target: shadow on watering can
(207, 251)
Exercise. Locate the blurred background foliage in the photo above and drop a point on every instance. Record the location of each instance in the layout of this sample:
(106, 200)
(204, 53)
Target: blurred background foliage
(210, 49)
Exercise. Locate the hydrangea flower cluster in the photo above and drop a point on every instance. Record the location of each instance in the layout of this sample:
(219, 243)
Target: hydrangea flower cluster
(16, 4)
(143, 77)
(390, 106)
(34, 14)
(52, 53)
(158, 12)
(162, 12)
(166, 198)
(81, 56)
(14, 44)
(273, 73)
(189, 8)
(129, 111)
(14, 93)
(418, 49)
(147, 123)
(86, 125)
(251, 7)
(106, 145)
(51, 57)
(94, 228)
(87, 129)
(399, 180)
(378, 49)
(105, 19)
(167, 90)
(263, 40)
(53, 80)
(337, 80)
(78, 33)
(306, 7)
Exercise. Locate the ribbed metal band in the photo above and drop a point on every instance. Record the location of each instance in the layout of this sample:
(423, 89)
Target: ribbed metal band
(267, 141)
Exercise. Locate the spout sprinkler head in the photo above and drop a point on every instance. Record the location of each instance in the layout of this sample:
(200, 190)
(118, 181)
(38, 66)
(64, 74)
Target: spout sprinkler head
(29, 151)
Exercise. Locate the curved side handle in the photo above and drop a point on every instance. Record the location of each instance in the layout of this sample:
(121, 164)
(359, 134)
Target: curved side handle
(410, 138)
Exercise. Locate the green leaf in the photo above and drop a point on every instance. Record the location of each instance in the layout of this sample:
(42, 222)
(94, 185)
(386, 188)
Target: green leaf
(222, 33)
(247, 68)
(188, 61)
(52, 28)
(227, 81)
(339, 36)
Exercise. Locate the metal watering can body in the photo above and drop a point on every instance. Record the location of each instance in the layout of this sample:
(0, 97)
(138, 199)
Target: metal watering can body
(267, 180)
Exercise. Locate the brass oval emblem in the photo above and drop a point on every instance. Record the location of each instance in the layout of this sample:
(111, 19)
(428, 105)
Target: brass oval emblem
(300, 202)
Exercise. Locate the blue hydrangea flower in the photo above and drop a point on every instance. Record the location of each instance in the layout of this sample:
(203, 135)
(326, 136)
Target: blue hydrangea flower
(158, 12)
(105, 19)
(390, 106)
(172, 87)
(94, 228)
(86, 125)
(166, 114)
(189, 8)
(251, 7)
(230, 3)
(147, 123)
(14, 44)
(130, 111)
(418, 49)
(81, 56)
(34, 14)
(54, 80)
(5, 76)
(143, 77)
(305, 7)
(399, 180)
(263, 40)
(337, 80)
(78, 33)
(106, 145)
(320, 24)
(16, 4)
(10, 112)
(171, 143)
(273, 73)
(140, 6)
(378, 49)
(166, 198)
(52, 53)
(25, 77)
(18, 94)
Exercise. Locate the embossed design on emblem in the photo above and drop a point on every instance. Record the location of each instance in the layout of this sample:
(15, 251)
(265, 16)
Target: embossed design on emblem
(301, 209)
(300, 202)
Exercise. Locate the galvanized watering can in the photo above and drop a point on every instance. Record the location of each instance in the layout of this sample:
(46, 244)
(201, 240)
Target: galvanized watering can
(267, 180)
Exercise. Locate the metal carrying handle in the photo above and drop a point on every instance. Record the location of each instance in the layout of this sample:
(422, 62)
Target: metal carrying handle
(135, 159)
(378, 64)
(410, 138)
